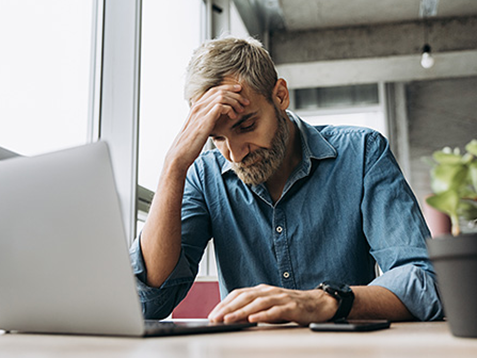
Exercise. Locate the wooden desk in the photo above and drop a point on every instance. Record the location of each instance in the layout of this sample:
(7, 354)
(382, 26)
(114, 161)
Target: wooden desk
(401, 340)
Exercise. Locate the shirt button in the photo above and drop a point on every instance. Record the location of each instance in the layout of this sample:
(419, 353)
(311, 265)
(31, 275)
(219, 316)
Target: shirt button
(286, 274)
(279, 229)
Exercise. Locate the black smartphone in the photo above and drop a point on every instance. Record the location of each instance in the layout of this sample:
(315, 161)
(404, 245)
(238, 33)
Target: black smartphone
(350, 326)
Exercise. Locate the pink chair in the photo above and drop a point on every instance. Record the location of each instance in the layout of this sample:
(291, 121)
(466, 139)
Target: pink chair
(439, 223)
(201, 299)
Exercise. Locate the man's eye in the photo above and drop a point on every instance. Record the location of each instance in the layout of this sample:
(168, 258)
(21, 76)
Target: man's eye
(247, 128)
(217, 139)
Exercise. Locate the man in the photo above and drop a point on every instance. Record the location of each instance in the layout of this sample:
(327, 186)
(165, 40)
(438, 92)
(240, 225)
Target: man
(289, 206)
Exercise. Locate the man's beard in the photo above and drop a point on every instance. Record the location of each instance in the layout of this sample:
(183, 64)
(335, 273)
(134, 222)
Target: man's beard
(257, 167)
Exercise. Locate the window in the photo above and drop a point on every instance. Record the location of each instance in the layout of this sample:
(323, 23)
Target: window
(237, 27)
(359, 105)
(166, 47)
(45, 74)
(337, 97)
(169, 35)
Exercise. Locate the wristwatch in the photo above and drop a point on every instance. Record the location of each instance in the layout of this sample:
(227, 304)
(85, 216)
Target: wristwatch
(343, 294)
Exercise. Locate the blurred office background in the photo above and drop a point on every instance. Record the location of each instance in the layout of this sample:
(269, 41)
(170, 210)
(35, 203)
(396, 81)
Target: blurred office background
(75, 71)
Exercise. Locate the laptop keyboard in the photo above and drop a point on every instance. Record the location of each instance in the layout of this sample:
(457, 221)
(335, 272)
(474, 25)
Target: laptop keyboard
(166, 328)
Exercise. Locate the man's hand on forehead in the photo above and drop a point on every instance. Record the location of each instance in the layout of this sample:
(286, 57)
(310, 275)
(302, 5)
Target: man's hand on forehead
(224, 100)
(244, 90)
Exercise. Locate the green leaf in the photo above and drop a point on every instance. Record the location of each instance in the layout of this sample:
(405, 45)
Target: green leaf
(467, 158)
(473, 175)
(447, 202)
(467, 193)
(446, 158)
(467, 210)
(448, 177)
(472, 147)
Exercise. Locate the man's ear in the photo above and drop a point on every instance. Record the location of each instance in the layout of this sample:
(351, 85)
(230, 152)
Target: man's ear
(281, 95)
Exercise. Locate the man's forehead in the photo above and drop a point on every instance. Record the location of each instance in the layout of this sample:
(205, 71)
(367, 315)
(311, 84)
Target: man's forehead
(246, 90)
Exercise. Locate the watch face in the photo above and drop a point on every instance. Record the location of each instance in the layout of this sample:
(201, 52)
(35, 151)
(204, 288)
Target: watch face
(340, 288)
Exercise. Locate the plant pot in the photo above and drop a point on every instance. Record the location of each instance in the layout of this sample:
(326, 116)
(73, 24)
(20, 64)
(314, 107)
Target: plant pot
(455, 262)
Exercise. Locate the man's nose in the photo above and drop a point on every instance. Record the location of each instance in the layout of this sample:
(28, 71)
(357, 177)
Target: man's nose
(237, 151)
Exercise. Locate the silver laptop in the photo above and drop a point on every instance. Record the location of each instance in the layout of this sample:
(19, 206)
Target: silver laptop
(64, 261)
(7, 154)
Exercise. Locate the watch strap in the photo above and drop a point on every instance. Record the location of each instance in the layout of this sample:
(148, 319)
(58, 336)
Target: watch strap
(343, 294)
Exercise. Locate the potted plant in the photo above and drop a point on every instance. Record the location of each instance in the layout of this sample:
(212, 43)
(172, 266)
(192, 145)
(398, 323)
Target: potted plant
(454, 183)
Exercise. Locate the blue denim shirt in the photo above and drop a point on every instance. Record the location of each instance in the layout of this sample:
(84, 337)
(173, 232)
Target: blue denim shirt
(344, 208)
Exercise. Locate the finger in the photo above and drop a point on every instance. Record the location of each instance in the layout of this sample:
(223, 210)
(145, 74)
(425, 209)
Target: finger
(219, 109)
(204, 115)
(225, 94)
(275, 314)
(234, 100)
(221, 305)
(246, 301)
(233, 301)
(274, 298)
(203, 119)
(214, 90)
(237, 299)
(258, 305)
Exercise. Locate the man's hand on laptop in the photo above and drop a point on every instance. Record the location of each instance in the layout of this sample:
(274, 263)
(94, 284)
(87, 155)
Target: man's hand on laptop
(264, 303)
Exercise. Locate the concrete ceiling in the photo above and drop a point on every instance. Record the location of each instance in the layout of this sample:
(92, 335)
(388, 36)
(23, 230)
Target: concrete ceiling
(293, 15)
(345, 42)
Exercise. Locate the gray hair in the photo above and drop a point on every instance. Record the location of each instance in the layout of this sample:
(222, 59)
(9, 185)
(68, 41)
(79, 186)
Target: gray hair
(245, 59)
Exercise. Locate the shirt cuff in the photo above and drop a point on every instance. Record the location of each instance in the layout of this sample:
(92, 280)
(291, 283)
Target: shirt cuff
(415, 288)
(159, 302)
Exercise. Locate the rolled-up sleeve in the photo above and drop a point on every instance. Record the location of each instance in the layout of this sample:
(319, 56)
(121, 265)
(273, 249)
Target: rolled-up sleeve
(416, 288)
(158, 303)
(396, 232)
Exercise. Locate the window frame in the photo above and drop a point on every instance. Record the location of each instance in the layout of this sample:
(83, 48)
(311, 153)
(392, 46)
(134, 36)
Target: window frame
(118, 100)
(115, 96)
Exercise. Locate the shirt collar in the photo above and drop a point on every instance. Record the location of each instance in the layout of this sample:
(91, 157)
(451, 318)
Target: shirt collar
(314, 145)
(226, 167)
